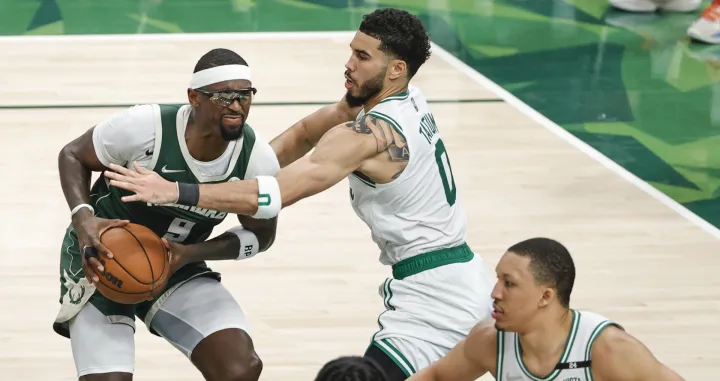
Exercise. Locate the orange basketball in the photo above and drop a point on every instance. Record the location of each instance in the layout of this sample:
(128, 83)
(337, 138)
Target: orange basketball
(139, 268)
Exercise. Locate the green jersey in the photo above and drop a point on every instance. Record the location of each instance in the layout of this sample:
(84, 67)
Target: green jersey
(172, 161)
(154, 137)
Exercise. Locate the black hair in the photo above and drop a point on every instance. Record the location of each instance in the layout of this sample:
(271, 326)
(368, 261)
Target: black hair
(218, 57)
(351, 368)
(550, 264)
(401, 34)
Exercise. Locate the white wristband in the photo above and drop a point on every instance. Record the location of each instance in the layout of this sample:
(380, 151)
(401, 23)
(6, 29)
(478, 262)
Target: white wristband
(269, 199)
(249, 245)
(78, 207)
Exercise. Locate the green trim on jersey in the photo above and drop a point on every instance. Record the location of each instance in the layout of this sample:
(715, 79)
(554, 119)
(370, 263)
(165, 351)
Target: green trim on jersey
(500, 354)
(426, 261)
(395, 355)
(395, 125)
(387, 295)
(566, 352)
(364, 179)
(593, 336)
(397, 97)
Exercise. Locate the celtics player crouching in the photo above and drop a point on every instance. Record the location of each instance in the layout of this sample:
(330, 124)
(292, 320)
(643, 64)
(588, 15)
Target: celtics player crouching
(401, 186)
(534, 335)
(205, 141)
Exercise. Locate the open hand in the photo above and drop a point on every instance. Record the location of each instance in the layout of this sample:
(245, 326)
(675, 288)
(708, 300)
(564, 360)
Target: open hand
(147, 185)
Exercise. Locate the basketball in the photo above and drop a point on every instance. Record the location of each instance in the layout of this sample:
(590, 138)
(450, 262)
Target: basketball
(139, 268)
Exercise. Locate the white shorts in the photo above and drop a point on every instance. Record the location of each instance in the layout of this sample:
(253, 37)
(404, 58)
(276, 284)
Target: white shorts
(431, 311)
(195, 310)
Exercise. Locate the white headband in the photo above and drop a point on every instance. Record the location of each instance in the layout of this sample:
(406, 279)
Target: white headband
(219, 74)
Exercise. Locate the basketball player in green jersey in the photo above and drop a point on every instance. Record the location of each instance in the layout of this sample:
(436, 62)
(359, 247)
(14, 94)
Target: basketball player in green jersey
(206, 141)
(401, 186)
(536, 335)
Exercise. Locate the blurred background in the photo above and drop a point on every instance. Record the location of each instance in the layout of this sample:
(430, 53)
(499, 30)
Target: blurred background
(636, 81)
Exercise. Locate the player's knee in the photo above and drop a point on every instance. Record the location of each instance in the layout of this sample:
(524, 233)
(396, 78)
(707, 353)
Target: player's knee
(245, 369)
(227, 355)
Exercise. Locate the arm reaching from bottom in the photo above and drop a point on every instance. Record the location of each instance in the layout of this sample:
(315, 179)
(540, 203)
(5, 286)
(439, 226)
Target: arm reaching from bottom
(618, 356)
(469, 360)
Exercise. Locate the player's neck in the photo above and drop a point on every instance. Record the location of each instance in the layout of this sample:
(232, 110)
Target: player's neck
(388, 91)
(548, 335)
(204, 144)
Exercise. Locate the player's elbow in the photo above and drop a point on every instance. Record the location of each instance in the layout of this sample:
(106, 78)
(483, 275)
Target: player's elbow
(71, 155)
(266, 238)
(267, 244)
(67, 155)
(65, 152)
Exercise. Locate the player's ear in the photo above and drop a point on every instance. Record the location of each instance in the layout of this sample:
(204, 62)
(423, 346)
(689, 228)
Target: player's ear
(193, 98)
(397, 68)
(548, 296)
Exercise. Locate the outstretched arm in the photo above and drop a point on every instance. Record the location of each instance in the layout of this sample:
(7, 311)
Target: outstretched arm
(617, 356)
(243, 241)
(339, 152)
(301, 137)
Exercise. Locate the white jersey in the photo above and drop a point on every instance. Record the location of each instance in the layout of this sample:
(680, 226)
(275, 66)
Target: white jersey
(575, 362)
(419, 211)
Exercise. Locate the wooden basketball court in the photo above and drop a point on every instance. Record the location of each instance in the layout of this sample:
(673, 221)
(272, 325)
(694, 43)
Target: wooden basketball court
(314, 295)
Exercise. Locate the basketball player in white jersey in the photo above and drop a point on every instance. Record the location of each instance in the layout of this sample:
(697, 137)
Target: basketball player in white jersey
(536, 336)
(401, 186)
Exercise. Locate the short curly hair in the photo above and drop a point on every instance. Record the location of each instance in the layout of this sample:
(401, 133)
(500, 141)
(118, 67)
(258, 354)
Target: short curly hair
(401, 34)
(550, 264)
(219, 57)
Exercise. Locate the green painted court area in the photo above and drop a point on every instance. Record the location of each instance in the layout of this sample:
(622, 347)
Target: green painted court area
(631, 86)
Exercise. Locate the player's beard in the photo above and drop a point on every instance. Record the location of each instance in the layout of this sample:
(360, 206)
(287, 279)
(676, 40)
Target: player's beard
(230, 134)
(369, 89)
